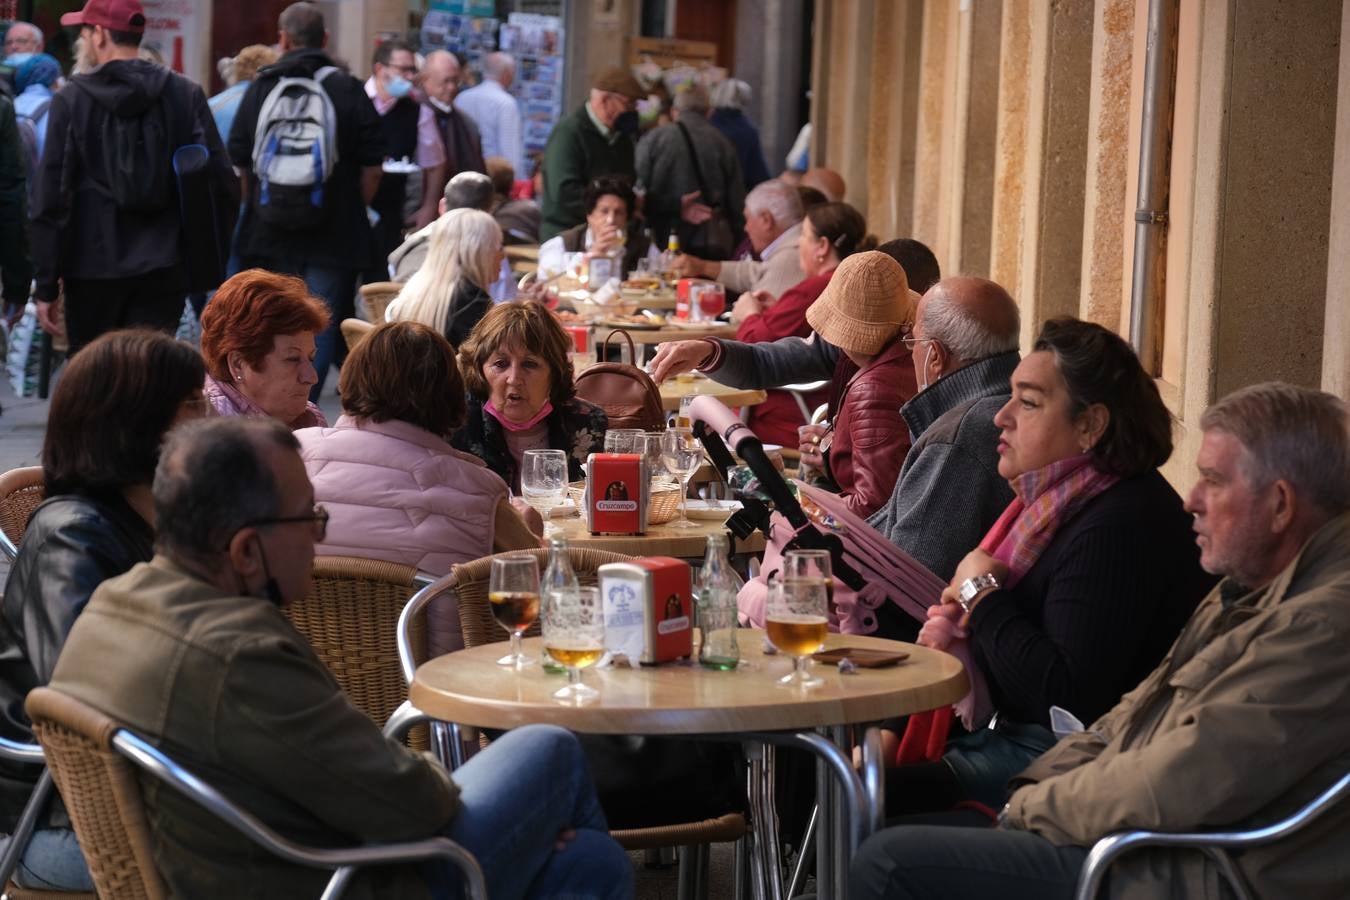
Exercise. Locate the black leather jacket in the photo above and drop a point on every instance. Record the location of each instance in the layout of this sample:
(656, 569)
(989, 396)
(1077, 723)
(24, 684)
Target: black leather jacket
(73, 543)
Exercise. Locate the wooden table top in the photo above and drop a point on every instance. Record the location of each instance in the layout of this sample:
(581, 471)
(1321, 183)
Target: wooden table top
(659, 301)
(469, 687)
(672, 389)
(660, 540)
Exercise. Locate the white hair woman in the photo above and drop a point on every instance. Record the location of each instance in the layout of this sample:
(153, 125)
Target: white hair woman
(450, 291)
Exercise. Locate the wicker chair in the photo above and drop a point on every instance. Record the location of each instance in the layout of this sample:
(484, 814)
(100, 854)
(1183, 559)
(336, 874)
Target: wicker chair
(479, 627)
(377, 296)
(350, 618)
(21, 491)
(27, 823)
(95, 764)
(353, 330)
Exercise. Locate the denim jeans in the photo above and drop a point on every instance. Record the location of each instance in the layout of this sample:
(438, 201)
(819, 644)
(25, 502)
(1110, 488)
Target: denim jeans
(52, 862)
(515, 797)
(336, 288)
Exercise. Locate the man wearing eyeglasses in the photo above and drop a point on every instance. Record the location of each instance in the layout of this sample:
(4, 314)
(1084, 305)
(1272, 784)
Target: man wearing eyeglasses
(192, 651)
(595, 140)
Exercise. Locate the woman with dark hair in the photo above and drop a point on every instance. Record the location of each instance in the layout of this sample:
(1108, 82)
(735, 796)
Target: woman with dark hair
(109, 413)
(258, 339)
(393, 486)
(831, 232)
(1085, 580)
(610, 204)
(521, 393)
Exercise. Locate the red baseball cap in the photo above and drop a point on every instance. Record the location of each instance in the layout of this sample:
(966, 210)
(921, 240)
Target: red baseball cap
(118, 15)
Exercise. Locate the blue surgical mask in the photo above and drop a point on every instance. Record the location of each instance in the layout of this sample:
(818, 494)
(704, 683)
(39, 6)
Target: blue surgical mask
(398, 86)
(627, 122)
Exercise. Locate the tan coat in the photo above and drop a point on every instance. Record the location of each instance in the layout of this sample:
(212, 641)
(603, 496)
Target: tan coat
(776, 274)
(230, 690)
(1245, 721)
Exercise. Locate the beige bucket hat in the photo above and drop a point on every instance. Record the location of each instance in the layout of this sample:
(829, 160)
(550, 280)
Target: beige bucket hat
(866, 304)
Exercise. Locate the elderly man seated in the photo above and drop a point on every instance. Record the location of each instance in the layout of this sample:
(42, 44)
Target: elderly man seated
(191, 650)
(773, 223)
(467, 190)
(1242, 723)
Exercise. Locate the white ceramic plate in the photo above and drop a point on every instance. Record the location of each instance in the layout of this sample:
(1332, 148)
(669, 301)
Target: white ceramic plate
(713, 509)
(564, 509)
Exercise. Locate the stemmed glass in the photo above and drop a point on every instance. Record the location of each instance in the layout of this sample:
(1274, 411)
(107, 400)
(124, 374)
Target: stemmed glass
(808, 564)
(796, 625)
(682, 454)
(650, 447)
(574, 636)
(543, 481)
(513, 593)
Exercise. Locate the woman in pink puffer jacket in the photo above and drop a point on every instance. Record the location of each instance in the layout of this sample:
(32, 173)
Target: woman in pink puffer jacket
(395, 490)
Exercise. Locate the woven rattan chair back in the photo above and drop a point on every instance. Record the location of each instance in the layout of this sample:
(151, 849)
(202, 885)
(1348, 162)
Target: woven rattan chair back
(471, 590)
(350, 618)
(101, 792)
(354, 330)
(377, 296)
(21, 491)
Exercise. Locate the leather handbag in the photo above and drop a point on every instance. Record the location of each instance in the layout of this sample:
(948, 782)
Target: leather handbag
(627, 394)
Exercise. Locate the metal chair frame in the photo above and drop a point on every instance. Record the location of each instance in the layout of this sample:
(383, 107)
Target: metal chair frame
(1214, 844)
(344, 861)
(799, 392)
(37, 802)
(14, 481)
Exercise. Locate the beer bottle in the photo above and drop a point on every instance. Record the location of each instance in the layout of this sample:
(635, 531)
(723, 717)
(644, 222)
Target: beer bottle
(717, 589)
(558, 578)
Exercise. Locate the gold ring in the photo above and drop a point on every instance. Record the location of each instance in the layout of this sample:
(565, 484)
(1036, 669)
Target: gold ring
(815, 439)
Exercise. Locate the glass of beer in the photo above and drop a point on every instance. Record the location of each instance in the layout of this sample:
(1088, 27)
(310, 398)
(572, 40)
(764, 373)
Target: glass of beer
(797, 625)
(808, 564)
(513, 592)
(574, 636)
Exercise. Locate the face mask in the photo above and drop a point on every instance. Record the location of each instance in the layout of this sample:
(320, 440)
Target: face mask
(443, 107)
(627, 122)
(398, 86)
(491, 409)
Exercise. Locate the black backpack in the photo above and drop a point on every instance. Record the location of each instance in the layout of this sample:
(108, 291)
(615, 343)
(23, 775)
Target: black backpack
(137, 155)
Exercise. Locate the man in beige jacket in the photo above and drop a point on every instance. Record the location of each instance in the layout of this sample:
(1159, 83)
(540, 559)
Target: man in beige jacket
(773, 222)
(1245, 720)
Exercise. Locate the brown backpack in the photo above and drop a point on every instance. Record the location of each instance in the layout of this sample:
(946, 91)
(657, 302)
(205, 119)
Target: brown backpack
(626, 393)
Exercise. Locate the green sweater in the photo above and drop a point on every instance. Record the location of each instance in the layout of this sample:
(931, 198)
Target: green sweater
(577, 153)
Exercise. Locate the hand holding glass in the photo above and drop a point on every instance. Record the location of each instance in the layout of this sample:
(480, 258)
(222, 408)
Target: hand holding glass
(513, 592)
(574, 636)
(683, 454)
(543, 481)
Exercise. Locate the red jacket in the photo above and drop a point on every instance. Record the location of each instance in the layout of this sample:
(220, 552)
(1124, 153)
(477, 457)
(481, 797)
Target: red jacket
(870, 437)
(775, 420)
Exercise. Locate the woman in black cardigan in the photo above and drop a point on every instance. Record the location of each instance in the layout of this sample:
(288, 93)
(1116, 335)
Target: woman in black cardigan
(1082, 585)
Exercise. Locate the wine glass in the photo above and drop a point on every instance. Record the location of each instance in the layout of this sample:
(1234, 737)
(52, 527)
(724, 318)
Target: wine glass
(543, 482)
(682, 454)
(796, 625)
(623, 440)
(513, 593)
(574, 635)
(807, 564)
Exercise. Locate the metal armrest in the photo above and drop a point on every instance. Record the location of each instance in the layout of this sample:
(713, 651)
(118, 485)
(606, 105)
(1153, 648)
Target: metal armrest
(344, 861)
(446, 741)
(24, 753)
(7, 547)
(799, 392)
(1110, 848)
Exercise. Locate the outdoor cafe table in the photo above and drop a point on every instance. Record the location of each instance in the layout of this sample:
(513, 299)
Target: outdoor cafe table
(747, 705)
(660, 540)
(673, 389)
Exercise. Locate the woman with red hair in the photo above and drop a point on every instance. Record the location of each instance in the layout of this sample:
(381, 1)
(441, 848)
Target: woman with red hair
(258, 336)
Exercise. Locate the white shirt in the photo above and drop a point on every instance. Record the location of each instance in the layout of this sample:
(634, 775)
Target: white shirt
(497, 116)
(553, 256)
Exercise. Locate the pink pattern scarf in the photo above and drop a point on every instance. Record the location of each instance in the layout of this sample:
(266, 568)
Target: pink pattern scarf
(1045, 499)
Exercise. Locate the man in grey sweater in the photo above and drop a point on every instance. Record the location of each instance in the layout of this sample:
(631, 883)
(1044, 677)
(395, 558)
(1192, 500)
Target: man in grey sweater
(965, 349)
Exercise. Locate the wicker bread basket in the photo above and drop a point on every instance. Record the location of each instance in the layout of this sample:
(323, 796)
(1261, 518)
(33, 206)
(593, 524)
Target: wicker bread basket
(663, 506)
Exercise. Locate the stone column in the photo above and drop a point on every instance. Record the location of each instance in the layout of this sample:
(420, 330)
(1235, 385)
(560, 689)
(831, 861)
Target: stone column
(1014, 85)
(1056, 162)
(768, 58)
(1108, 160)
(937, 70)
(978, 128)
(1336, 337)
(893, 114)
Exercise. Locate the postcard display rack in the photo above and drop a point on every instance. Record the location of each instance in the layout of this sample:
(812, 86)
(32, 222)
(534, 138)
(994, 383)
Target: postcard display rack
(536, 42)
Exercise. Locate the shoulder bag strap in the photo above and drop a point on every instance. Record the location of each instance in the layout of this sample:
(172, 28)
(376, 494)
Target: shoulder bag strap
(698, 169)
